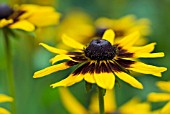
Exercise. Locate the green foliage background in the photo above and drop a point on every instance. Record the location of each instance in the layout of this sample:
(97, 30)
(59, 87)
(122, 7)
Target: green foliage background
(34, 96)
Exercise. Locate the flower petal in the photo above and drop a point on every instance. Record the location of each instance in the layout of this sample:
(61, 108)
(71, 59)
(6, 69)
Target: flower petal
(50, 70)
(23, 25)
(105, 80)
(72, 43)
(163, 85)
(72, 105)
(148, 55)
(143, 49)
(166, 109)
(110, 101)
(129, 79)
(4, 111)
(158, 97)
(59, 58)
(40, 18)
(109, 35)
(4, 22)
(53, 49)
(134, 105)
(70, 80)
(5, 98)
(147, 69)
(129, 40)
(89, 77)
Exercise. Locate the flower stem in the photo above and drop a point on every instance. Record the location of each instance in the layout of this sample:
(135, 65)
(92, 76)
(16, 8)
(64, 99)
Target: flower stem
(101, 100)
(9, 63)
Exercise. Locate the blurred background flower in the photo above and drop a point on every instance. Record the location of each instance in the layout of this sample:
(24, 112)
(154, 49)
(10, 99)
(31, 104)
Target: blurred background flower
(133, 106)
(4, 98)
(27, 17)
(162, 97)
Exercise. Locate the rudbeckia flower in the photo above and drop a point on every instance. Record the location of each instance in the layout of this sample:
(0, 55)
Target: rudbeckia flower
(133, 106)
(102, 60)
(4, 98)
(27, 16)
(124, 26)
(76, 22)
(160, 97)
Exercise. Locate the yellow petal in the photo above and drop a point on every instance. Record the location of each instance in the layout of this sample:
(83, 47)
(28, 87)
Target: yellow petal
(89, 78)
(105, 80)
(143, 49)
(49, 70)
(158, 97)
(134, 106)
(38, 8)
(148, 55)
(59, 58)
(23, 25)
(109, 101)
(129, 40)
(163, 85)
(71, 103)
(129, 79)
(5, 98)
(40, 18)
(166, 109)
(4, 111)
(70, 80)
(147, 69)
(4, 22)
(53, 49)
(109, 35)
(72, 43)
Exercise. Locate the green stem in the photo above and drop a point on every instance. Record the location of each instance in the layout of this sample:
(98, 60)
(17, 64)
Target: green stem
(101, 100)
(10, 74)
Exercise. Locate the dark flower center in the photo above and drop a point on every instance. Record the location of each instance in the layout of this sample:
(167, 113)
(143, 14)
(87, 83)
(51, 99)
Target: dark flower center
(100, 50)
(5, 11)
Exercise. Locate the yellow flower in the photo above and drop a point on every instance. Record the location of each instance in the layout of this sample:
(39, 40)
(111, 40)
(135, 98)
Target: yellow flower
(134, 106)
(124, 26)
(78, 24)
(27, 16)
(4, 98)
(160, 97)
(102, 60)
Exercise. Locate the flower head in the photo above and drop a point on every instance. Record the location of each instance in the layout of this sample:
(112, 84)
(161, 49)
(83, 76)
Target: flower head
(102, 60)
(124, 26)
(4, 98)
(160, 97)
(75, 23)
(133, 106)
(27, 16)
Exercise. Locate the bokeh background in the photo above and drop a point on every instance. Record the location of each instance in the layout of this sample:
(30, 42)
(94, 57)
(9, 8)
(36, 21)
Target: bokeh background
(34, 96)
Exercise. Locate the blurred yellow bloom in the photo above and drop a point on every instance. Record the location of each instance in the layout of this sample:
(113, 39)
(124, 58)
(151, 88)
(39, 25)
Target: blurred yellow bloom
(4, 98)
(79, 26)
(134, 106)
(27, 16)
(160, 97)
(102, 60)
(124, 26)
